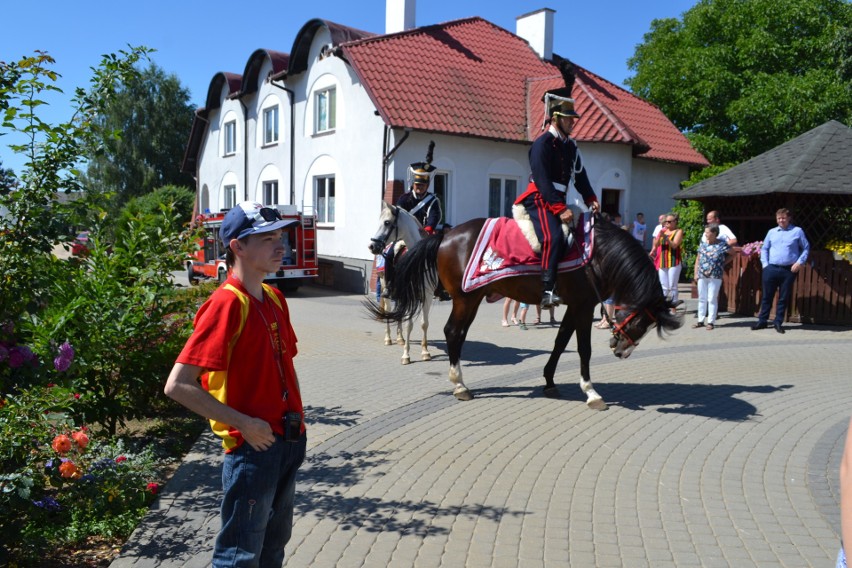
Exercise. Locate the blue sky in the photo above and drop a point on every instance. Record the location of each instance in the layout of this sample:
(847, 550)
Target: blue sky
(196, 39)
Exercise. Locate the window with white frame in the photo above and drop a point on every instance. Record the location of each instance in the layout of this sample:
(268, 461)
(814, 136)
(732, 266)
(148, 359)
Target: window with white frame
(270, 192)
(324, 190)
(270, 125)
(325, 110)
(502, 192)
(230, 137)
(230, 196)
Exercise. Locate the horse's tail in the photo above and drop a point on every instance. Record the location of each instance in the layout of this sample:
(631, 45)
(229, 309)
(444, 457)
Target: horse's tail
(415, 276)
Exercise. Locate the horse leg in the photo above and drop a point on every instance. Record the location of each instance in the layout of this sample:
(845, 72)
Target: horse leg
(384, 304)
(424, 326)
(406, 344)
(584, 349)
(566, 330)
(456, 331)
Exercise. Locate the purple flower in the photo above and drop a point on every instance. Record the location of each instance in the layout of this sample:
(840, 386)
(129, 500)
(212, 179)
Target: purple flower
(48, 503)
(26, 352)
(63, 360)
(16, 358)
(61, 363)
(48, 465)
(66, 351)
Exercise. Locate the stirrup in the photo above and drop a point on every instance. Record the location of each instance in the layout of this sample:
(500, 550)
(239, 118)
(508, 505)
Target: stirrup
(550, 299)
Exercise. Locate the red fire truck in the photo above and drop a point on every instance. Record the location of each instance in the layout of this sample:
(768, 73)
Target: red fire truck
(297, 265)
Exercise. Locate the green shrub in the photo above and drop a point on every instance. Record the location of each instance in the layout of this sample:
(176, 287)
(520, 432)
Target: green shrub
(119, 309)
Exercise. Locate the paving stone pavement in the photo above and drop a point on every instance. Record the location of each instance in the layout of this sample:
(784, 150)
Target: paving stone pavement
(720, 448)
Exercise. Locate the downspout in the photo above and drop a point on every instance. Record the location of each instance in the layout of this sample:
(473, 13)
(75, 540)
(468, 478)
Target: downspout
(389, 155)
(197, 176)
(292, 140)
(245, 148)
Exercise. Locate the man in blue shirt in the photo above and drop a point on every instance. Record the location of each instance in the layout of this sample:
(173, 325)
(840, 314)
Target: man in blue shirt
(784, 252)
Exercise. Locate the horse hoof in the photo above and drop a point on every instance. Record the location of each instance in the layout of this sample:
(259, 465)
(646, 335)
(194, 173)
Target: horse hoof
(463, 394)
(597, 404)
(552, 392)
(406, 360)
(426, 357)
(400, 342)
(388, 342)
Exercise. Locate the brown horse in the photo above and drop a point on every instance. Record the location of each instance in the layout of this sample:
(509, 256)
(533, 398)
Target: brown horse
(619, 268)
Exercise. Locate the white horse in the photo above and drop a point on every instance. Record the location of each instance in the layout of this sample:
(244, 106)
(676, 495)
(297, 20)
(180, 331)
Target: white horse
(398, 225)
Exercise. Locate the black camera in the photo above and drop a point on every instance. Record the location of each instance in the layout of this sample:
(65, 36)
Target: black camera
(292, 426)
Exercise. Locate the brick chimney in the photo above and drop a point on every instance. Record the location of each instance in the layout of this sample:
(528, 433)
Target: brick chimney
(399, 16)
(537, 28)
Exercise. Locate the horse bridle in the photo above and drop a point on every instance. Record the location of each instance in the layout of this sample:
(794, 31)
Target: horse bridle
(394, 227)
(618, 328)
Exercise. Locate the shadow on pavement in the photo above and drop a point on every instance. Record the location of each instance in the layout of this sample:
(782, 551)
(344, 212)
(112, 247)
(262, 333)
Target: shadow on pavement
(711, 401)
(327, 478)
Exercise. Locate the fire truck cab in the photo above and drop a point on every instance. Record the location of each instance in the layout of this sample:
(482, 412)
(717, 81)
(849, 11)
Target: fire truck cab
(298, 264)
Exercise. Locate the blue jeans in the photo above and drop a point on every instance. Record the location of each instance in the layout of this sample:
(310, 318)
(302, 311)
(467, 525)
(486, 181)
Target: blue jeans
(257, 507)
(775, 277)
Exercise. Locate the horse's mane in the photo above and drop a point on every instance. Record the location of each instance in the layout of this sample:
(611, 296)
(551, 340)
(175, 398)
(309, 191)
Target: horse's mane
(625, 268)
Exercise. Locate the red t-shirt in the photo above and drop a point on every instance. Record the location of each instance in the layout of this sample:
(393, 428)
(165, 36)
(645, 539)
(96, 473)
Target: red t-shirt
(237, 340)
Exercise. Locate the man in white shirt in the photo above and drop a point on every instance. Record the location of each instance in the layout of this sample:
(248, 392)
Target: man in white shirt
(725, 234)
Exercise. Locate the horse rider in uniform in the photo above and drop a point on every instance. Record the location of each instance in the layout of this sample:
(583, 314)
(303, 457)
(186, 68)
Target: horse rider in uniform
(424, 206)
(555, 162)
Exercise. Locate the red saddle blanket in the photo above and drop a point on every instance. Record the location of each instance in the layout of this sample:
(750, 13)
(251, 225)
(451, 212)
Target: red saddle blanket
(502, 250)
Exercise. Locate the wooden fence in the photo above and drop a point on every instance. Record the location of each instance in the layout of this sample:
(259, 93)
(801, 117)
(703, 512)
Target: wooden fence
(822, 292)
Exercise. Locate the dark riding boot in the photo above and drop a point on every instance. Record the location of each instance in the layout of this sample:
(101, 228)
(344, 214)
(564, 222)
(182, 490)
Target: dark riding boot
(549, 297)
(441, 293)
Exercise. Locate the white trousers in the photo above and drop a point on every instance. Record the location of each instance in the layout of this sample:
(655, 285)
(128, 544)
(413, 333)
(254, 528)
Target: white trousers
(708, 298)
(668, 280)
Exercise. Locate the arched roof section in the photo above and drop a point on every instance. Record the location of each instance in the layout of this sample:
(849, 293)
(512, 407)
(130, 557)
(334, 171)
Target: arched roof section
(302, 43)
(220, 79)
(279, 60)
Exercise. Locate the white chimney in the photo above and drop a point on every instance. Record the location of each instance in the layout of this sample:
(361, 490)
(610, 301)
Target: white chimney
(537, 28)
(399, 16)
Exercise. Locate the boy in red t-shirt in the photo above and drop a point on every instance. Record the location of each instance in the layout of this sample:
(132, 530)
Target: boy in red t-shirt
(237, 371)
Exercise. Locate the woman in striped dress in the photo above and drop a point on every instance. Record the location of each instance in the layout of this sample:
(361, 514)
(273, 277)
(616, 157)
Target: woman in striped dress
(668, 256)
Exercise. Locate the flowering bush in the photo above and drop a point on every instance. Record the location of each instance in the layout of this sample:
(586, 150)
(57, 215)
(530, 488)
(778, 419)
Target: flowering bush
(841, 248)
(62, 485)
(751, 248)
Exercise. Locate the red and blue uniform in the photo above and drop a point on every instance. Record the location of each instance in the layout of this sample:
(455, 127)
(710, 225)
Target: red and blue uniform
(554, 161)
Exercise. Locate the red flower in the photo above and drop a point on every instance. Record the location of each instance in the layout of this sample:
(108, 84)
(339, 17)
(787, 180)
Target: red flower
(153, 488)
(81, 438)
(120, 459)
(61, 443)
(67, 469)
(76, 395)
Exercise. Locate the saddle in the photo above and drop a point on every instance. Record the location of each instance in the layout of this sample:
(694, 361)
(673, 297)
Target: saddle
(522, 218)
(504, 248)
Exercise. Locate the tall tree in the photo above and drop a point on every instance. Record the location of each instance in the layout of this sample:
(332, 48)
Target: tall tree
(741, 77)
(8, 180)
(151, 118)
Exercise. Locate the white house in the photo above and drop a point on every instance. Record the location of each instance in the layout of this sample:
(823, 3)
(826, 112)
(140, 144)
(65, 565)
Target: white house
(333, 126)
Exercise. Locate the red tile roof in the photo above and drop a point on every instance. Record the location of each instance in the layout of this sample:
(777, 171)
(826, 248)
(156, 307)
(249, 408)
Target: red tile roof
(470, 77)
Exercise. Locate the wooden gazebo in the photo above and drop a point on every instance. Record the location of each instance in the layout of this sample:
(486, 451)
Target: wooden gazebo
(809, 175)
